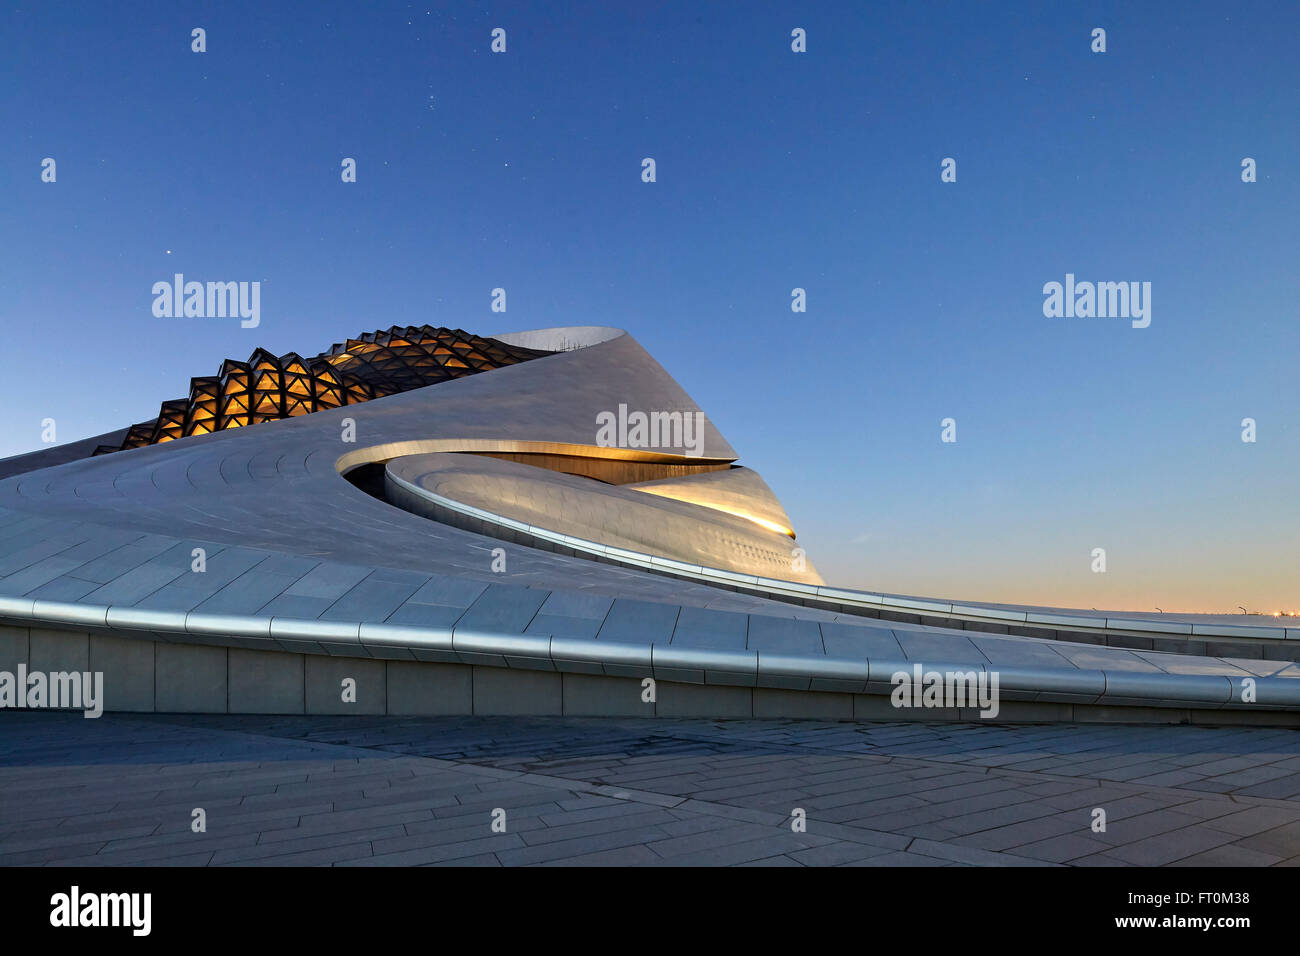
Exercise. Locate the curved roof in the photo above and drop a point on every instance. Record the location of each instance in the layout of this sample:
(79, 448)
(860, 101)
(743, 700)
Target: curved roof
(301, 559)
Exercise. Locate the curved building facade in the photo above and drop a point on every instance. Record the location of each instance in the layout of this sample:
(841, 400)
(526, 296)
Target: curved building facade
(540, 522)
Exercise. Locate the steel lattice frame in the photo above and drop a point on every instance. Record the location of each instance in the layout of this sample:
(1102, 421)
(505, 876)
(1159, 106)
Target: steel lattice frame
(267, 387)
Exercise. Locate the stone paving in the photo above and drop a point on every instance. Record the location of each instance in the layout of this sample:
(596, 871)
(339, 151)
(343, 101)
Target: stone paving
(371, 791)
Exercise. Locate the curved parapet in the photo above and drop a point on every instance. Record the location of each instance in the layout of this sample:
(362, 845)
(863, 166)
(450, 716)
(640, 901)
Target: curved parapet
(596, 513)
(473, 623)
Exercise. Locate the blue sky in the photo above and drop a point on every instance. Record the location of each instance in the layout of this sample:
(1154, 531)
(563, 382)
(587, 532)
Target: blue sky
(775, 170)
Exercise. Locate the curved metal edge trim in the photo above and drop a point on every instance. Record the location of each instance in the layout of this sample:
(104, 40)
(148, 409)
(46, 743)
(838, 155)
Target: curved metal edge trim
(64, 612)
(675, 663)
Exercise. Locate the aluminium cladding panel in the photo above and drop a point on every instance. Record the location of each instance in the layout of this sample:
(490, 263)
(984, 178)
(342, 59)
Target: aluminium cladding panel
(449, 591)
(373, 599)
(70, 613)
(789, 588)
(929, 645)
(510, 523)
(139, 582)
(43, 573)
(61, 589)
(865, 641)
(521, 651)
(1104, 658)
(940, 608)
(253, 590)
(232, 630)
(635, 558)
(883, 674)
(608, 657)
(784, 635)
(436, 617)
(249, 626)
(882, 671)
(577, 604)
(1279, 692)
(1066, 621)
(505, 608)
(328, 581)
(704, 665)
(1161, 689)
(577, 654)
(1159, 627)
(729, 577)
(675, 566)
(999, 649)
(148, 623)
(409, 642)
(1062, 684)
(812, 673)
(1211, 666)
(1236, 630)
(317, 636)
(846, 596)
(632, 621)
(708, 628)
(145, 619)
(995, 613)
(563, 626)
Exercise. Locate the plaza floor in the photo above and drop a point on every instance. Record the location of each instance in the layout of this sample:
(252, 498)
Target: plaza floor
(373, 791)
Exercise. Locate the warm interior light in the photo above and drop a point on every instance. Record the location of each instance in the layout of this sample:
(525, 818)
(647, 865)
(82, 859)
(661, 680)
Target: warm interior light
(267, 387)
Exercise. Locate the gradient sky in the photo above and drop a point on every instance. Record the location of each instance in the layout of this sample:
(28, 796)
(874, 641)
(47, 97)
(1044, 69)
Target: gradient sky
(775, 170)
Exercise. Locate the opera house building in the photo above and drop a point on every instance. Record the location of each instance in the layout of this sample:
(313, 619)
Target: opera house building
(425, 521)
